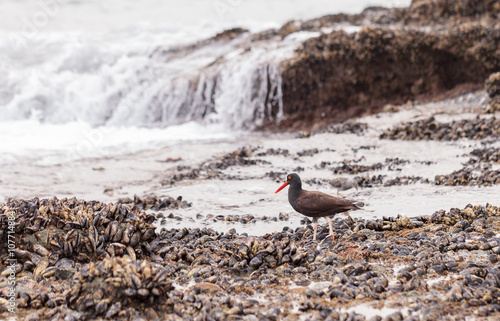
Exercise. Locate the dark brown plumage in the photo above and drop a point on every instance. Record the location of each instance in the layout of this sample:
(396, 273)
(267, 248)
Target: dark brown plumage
(315, 204)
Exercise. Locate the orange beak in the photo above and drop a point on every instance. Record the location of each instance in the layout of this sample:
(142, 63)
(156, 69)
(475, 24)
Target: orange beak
(281, 187)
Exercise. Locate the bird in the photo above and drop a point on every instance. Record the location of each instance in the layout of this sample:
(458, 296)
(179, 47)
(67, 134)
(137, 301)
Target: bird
(343, 183)
(316, 204)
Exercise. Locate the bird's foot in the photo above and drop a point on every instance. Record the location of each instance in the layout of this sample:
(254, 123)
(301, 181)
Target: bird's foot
(331, 236)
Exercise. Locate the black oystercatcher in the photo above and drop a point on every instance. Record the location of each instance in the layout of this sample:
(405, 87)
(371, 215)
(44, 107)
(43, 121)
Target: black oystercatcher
(315, 204)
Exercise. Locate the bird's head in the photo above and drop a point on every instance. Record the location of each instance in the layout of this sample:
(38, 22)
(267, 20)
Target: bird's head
(292, 180)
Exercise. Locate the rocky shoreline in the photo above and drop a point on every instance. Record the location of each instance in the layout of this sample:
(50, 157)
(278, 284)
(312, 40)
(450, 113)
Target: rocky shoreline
(83, 259)
(80, 260)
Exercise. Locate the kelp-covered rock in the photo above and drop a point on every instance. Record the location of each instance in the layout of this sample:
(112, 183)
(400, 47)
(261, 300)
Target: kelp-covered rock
(339, 75)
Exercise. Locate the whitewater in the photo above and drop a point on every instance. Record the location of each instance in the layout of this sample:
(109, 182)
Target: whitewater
(91, 79)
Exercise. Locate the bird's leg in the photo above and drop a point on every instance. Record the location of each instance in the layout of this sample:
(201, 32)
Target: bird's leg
(330, 226)
(315, 227)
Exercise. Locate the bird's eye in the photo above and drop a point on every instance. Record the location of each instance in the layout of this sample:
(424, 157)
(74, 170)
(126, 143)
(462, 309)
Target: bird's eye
(289, 177)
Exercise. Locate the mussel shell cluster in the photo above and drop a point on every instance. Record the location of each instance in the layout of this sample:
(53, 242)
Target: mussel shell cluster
(477, 171)
(370, 181)
(406, 180)
(213, 170)
(469, 214)
(50, 230)
(155, 203)
(486, 155)
(469, 177)
(219, 272)
(97, 287)
(348, 127)
(392, 164)
(355, 168)
(430, 129)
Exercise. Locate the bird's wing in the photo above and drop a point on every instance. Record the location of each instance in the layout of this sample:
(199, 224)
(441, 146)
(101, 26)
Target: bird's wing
(317, 202)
